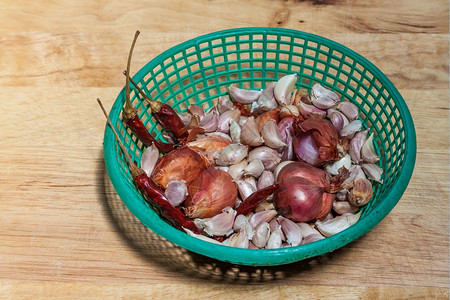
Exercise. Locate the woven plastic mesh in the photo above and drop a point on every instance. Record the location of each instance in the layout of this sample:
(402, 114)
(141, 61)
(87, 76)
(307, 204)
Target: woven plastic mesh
(200, 70)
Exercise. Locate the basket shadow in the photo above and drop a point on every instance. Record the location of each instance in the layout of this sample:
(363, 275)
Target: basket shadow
(157, 250)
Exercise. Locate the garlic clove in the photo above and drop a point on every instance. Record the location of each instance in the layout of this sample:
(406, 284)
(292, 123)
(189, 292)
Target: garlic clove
(373, 171)
(288, 152)
(239, 240)
(240, 222)
(211, 120)
(250, 134)
(243, 96)
(312, 238)
(284, 87)
(252, 181)
(343, 207)
(265, 205)
(280, 166)
(185, 117)
(224, 104)
(333, 168)
(338, 120)
(291, 230)
(196, 110)
(242, 120)
(231, 154)
(310, 111)
(356, 144)
(269, 157)
(342, 195)
(223, 124)
(149, 158)
(254, 168)
(219, 225)
(237, 170)
(176, 192)
(356, 172)
(323, 98)
(235, 131)
(267, 100)
(271, 135)
(218, 135)
(368, 153)
(350, 130)
(266, 179)
(289, 111)
(262, 216)
(361, 192)
(349, 109)
(337, 224)
(262, 234)
(201, 237)
(307, 229)
(274, 241)
(245, 189)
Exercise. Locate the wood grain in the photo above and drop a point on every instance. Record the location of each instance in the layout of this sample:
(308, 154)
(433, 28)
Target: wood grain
(64, 233)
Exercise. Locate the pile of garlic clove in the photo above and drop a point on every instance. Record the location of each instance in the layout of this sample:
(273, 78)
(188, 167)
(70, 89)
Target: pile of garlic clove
(249, 135)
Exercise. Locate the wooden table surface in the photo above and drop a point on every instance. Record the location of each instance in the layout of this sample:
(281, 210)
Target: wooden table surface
(65, 233)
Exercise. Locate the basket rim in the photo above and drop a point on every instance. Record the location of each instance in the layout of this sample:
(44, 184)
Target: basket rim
(260, 257)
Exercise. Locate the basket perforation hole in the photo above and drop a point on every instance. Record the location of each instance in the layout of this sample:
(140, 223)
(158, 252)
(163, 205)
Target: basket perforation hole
(285, 48)
(272, 46)
(271, 37)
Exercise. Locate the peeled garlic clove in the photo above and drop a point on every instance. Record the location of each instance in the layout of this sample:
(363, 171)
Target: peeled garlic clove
(223, 124)
(289, 111)
(333, 168)
(291, 230)
(250, 134)
(254, 168)
(310, 111)
(368, 153)
(262, 216)
(240, 222)
(185, 118)
(284, 87)
(356, 144)
(349, 109)
(361, 192)
(350, 130)
(176, 192)
(243, 96)
(149, 158)
(343, 207)
(337, 224)
(219, 225)
(266, 179)
(201, 237)
(235, 131)
(262, 234)
(224, 104)
(373, 171)
(269, 157)
(237, 170)
(274, 241)
(322, 97)
(239, 240)
(211, 120)
(196, 110)
(271, 135)
(231, 154)
(267, 100)
(245, 189)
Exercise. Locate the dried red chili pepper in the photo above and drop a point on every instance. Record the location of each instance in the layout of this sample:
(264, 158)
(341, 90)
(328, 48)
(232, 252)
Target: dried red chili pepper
(152, 193)
(130, 117)
(165, 115)
(254, 199)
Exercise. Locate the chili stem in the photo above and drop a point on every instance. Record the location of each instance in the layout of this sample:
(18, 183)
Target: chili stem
(129, 110)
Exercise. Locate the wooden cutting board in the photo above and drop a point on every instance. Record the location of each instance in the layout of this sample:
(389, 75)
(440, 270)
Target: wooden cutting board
(64, 233)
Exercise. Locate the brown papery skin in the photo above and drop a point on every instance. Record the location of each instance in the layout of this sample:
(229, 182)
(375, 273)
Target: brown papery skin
(324, 134)
(210, 192)
(209, 145)
(244, 110)
(268, 115)
(181, 164)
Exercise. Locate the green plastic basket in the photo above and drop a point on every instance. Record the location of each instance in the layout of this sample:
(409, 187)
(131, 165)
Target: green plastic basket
(199, 70)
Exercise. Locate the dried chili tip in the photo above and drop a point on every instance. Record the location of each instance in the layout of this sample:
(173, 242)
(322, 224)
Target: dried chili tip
(256, 198)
